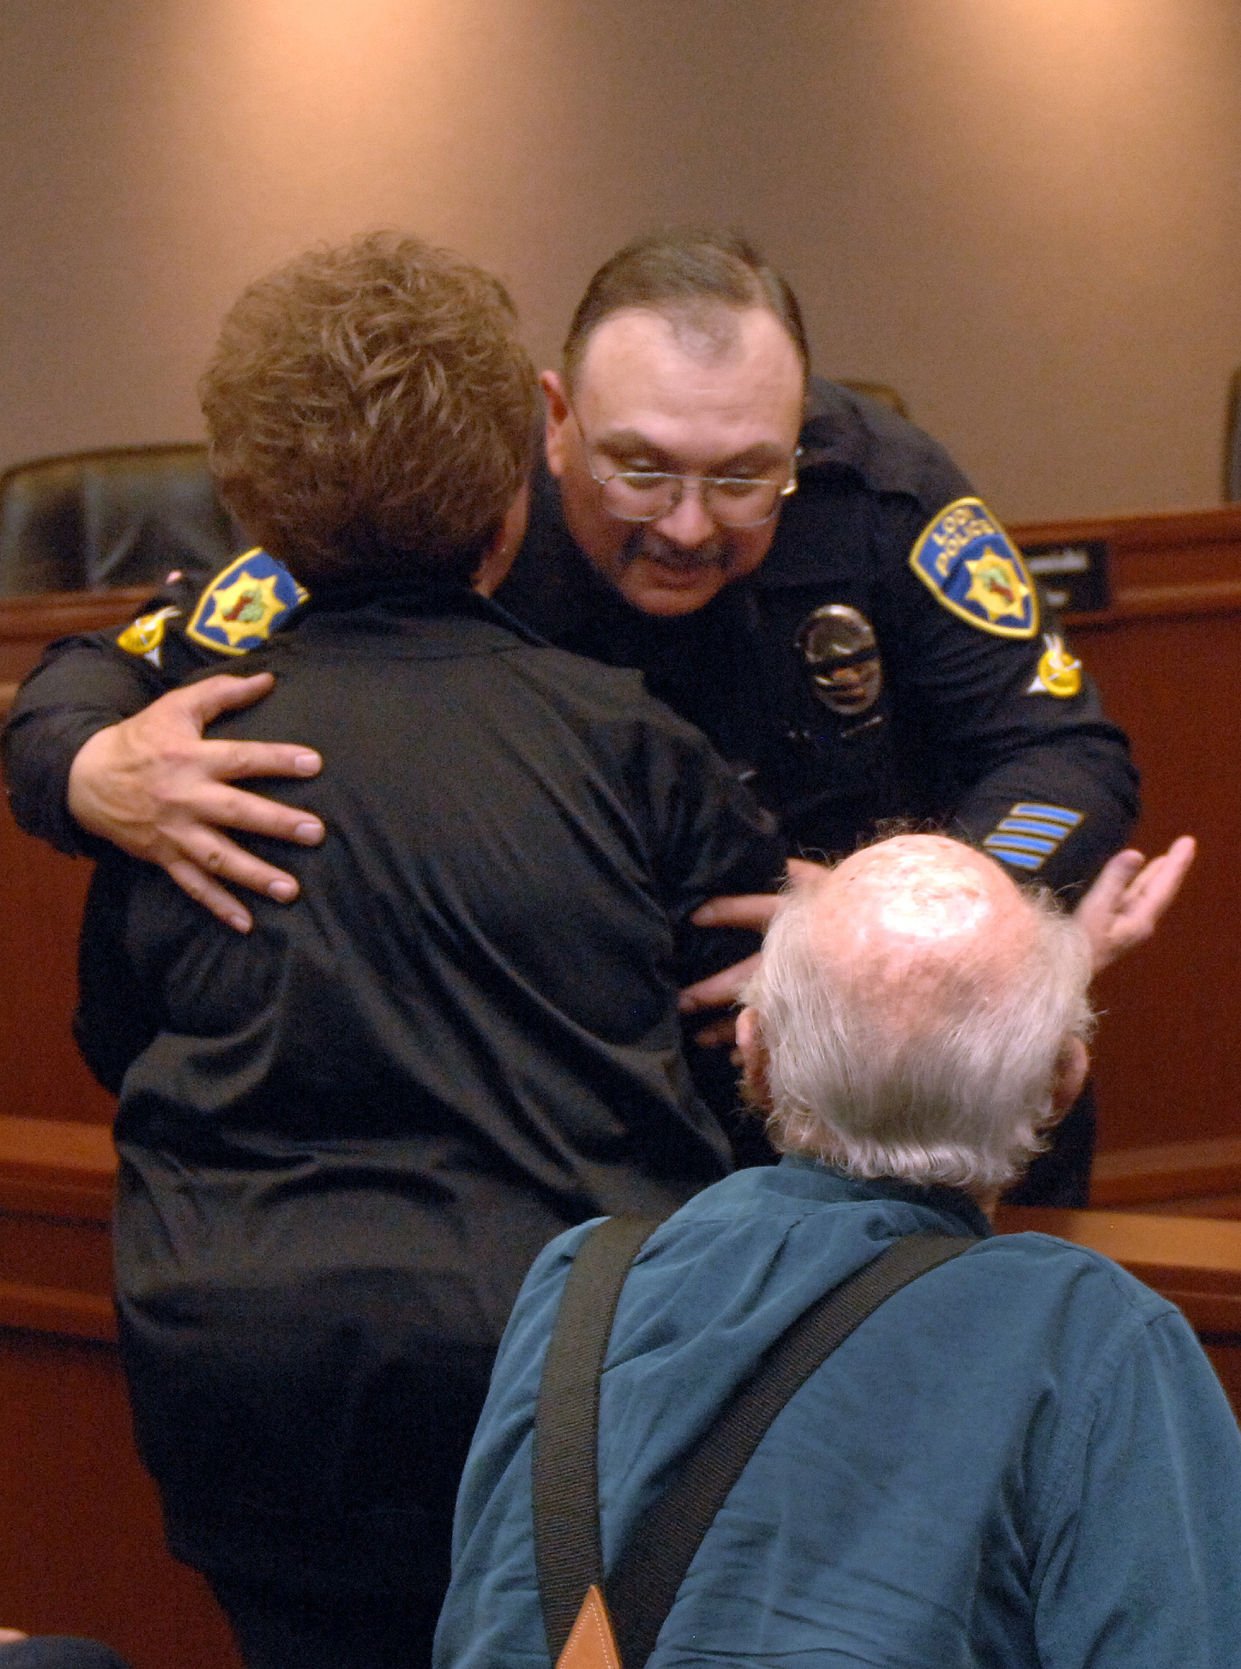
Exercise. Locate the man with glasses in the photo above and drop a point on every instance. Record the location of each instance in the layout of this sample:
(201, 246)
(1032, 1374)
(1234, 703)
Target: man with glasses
(797, 570)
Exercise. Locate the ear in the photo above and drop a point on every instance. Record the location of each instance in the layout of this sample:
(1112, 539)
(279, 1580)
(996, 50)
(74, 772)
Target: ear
(498, 557)
(1070, 1077)
(559, 417)
(754, 1058)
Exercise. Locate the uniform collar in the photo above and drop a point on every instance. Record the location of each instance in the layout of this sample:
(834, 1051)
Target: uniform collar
(398, 600)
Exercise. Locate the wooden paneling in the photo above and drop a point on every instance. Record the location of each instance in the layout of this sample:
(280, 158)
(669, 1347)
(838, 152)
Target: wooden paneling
(1167, 656)
(41, 894)
(56, 1184)
(28, 623)
(81, 1542)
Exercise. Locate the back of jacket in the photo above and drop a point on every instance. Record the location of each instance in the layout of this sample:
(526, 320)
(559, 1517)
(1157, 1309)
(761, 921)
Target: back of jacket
(382, 1102)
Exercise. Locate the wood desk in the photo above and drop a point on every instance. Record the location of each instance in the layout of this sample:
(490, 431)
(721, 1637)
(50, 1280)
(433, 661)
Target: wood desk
(81, 1540)
(1167, 655)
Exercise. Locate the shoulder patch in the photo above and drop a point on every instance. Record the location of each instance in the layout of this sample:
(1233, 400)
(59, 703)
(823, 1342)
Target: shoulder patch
(144, 635)
(244, 604)
(973, 568)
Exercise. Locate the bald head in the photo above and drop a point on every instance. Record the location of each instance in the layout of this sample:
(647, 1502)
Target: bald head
(917, 1015)
(925, 925)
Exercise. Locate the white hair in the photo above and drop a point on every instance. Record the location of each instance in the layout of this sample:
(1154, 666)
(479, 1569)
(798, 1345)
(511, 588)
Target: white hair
(932, 1065)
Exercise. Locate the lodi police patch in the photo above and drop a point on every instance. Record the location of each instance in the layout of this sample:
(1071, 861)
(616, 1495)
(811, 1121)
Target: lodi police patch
(244, 604)
(965, 557)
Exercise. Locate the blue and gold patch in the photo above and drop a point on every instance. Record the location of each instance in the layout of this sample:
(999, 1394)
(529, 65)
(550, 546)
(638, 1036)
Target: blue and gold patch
(244, 604)
(1031, 833)
(972, 566)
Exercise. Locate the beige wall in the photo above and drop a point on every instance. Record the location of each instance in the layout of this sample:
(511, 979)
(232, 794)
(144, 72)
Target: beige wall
(1024, 213)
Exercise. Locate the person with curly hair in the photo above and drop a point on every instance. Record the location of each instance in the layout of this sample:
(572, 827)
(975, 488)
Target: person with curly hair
(345, 1135)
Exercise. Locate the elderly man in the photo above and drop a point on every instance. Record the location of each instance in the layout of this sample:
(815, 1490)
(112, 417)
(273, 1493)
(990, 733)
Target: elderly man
(800, 573)
(345, 1135)
(1022, 1458)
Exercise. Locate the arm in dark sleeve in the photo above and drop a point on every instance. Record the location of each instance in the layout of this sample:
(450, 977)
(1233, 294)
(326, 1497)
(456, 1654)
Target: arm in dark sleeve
(1029, 767)
(116, 1016)
(83, 684)
(709, 836)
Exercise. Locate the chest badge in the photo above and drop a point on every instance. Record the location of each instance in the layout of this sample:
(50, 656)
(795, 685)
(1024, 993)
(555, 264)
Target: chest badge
(244, 604)
(837, 647)
(974, 570)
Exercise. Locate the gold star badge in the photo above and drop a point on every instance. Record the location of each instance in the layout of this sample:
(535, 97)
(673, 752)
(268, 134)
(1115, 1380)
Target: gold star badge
(246, 608)
(996, 586)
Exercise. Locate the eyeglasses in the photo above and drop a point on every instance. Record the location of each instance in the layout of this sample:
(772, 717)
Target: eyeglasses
(647, 495)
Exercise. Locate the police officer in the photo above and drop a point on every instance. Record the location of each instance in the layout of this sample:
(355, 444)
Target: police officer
(797, 570)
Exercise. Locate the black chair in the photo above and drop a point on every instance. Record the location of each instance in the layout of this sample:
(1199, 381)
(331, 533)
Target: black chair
(122, 516)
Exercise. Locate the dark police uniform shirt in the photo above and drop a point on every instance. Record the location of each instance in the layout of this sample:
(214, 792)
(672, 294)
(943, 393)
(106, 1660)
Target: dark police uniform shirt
(345, 1136)
(891, 657)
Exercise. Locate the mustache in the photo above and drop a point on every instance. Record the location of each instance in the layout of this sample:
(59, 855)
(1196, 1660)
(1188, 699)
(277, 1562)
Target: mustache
(645, 543)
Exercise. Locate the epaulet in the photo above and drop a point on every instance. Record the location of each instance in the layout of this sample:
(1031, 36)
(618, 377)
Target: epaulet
(244, 604)
(844, 430)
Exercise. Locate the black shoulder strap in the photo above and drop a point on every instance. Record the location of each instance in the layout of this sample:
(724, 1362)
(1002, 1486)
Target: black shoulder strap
(645, 1581)
(567, 1551)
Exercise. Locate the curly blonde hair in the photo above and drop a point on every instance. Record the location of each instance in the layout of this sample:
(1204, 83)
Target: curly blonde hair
(371, 411)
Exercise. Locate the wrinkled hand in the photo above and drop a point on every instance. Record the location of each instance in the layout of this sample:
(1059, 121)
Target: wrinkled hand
(155, 787)
(1129, 897)
(723, 990)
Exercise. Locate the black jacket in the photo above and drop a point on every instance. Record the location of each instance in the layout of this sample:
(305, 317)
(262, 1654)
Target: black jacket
(344, 1136)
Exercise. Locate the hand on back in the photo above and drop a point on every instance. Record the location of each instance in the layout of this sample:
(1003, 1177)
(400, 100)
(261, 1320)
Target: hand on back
(157, 788)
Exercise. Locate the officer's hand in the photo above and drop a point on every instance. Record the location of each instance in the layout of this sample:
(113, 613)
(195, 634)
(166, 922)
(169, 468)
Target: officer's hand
(723, 990)
(155, 787)
(1128, 899)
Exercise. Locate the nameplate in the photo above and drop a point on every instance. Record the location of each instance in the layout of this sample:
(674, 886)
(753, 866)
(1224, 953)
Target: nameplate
(1073, 577)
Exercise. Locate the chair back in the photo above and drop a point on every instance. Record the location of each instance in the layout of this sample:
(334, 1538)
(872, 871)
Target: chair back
(121, 516)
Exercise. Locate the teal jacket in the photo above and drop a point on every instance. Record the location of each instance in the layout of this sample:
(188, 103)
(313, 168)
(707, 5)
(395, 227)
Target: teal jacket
(1022, 1459)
